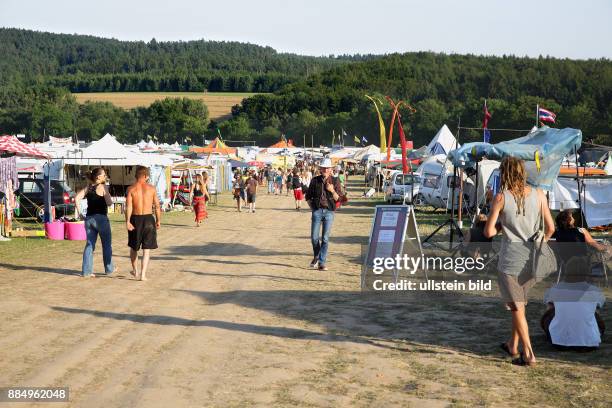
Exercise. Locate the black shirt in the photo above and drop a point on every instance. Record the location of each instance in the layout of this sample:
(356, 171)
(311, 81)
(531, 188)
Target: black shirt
(95, 204)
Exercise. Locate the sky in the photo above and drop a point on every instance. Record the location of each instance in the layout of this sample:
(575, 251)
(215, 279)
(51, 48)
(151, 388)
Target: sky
(562, 28)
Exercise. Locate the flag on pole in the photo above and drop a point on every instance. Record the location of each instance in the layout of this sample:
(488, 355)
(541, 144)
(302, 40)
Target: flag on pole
(404, 145)
(381, 126)
(485, 124)
(364, 140)
(356, 139)
(219, 133)
(546, 116)
(333, 137)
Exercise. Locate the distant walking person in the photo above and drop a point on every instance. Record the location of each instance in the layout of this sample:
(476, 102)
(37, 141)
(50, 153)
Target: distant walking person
(96, 221)
(199, 196)
(279, 181)
(141, 225)
(322, 195)
(296, 184)
(289, 181)
(270, 174)
(251, 190)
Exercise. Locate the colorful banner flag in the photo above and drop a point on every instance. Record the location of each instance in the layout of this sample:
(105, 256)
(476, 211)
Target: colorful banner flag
(381, 125)
(546, 116)
(486, 134)
(356, 139)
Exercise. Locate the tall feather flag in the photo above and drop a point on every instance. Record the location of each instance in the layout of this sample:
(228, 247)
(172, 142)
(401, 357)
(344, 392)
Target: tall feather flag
(395, 108)
(219, 133)
(404, 145)
(486, 134)
(381, 124)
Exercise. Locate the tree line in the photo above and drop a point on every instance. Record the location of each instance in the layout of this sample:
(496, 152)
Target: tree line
(84, 63)
(442, 89)
(44, 111)
(313, 98)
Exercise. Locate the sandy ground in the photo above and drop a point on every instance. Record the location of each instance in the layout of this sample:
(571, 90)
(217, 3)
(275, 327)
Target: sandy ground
(233, 316)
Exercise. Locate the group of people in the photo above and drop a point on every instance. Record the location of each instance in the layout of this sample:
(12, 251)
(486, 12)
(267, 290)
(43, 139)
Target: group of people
(244, 188)
(324, 192)
(518, 212)
(142, 226)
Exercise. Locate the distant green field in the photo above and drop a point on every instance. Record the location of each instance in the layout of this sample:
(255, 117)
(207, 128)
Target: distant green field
(219, 103)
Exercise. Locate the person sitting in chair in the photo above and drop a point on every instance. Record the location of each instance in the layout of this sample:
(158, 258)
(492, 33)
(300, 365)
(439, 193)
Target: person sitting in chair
(571, 319)
(475, 244)
(567, 232)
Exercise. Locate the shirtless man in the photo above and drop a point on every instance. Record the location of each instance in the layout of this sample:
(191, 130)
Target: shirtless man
(141, 225)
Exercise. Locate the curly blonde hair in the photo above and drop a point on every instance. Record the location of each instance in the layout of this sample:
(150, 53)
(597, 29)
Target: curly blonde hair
(514, 179)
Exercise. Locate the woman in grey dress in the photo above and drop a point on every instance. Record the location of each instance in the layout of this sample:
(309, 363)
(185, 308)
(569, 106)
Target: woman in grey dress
(519, 209)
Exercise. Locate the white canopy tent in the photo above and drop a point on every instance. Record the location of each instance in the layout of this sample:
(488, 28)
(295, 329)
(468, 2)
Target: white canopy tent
(442, 143)
(109, 152)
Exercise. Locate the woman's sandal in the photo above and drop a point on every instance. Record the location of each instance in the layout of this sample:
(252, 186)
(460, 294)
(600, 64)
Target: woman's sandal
(504, 346)
(520, 361)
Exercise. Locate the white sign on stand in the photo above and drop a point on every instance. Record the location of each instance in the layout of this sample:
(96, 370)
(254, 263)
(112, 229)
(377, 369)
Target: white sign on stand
(392, 227)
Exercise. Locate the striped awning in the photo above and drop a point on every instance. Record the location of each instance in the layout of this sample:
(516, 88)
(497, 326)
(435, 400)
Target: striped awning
(10, 144)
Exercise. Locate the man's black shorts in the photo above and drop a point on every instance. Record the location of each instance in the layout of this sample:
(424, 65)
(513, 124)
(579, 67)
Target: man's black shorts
(144, 233)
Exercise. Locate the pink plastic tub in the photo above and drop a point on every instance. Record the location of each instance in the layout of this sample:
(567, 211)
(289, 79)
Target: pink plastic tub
(75, 231)
(54, 230)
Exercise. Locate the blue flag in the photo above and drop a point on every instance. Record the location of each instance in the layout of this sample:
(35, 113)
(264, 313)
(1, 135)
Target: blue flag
(487, 136)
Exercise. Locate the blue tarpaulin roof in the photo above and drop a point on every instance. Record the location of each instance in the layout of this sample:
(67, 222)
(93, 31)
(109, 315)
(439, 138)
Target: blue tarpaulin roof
(549, 145)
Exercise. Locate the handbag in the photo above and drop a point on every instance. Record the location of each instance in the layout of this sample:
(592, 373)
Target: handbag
(544, 260)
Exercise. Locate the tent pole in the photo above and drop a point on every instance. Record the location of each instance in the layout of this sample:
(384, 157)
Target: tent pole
(578, 183)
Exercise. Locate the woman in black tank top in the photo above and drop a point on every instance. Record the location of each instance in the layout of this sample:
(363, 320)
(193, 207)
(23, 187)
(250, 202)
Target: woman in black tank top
(96, 221)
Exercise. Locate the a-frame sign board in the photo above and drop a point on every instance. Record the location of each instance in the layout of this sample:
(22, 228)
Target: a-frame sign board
(394, 232)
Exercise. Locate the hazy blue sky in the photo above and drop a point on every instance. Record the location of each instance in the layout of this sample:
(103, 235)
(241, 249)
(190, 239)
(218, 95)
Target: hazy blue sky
(561, 28)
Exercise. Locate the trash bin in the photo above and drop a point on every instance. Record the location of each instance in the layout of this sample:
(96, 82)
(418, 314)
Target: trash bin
(54, 230)
(75, 231)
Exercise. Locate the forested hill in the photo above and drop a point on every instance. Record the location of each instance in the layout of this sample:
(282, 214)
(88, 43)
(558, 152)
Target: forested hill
(90, 64)
(442, 88)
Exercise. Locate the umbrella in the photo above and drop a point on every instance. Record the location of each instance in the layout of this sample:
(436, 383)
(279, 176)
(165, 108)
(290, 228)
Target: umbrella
(10, 144)
(256, 163)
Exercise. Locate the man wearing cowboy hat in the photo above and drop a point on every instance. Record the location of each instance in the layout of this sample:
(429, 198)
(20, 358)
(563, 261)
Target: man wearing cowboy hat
(322, 195)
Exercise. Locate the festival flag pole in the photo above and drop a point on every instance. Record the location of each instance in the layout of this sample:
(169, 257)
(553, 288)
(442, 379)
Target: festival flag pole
(537, 114)
(381, 124)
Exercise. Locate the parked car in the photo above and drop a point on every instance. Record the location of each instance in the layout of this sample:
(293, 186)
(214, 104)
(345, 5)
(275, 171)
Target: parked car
(31, 197)
(403, 188)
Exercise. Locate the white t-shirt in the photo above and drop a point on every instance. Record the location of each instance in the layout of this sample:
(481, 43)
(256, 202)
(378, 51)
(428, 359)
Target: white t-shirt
(574, 323)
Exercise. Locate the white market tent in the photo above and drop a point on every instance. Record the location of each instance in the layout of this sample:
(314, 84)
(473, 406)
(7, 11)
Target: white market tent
(365, 151)
(442, 143)
(109, 152)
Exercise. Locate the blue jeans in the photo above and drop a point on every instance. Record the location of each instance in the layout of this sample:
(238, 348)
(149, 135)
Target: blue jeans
(94, 225)
(270, 186)
(320, 243)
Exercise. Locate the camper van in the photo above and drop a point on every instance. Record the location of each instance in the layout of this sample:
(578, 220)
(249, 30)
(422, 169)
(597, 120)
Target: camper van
(437, 179)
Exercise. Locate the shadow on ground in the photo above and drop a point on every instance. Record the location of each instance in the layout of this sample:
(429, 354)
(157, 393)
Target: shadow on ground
(457, 323)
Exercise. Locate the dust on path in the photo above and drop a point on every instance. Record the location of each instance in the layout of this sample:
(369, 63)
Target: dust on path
(233, 316)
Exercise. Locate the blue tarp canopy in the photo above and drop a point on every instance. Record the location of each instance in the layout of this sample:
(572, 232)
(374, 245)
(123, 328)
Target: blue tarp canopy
(549, 145)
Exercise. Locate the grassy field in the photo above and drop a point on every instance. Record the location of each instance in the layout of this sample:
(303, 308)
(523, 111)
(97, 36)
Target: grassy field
(219, 103)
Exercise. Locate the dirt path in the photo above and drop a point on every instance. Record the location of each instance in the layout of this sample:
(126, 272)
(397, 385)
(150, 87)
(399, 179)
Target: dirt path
(232, 316)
